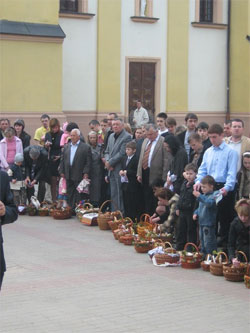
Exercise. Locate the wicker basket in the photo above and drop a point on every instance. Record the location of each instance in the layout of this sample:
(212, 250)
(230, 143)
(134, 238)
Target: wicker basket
(62, 213)
(32, 211)
(144, 225)
(247, 277)
(104, 218)
(205, 265)
(191, 260)
(235, 274)
(127, 239)
(44, 209)
(51, 209)
(143, 246)
(162, 258)
(114, 224)
(216, 268)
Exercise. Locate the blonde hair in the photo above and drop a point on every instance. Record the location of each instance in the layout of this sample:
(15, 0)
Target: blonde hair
(242, 207)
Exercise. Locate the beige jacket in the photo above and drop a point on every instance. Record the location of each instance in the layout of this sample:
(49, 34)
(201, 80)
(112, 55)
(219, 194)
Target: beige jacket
(245, 143)
(160, 162)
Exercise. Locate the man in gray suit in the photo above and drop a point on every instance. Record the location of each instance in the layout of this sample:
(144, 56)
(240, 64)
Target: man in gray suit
(154, 163)
(75, 165)
(115, 151)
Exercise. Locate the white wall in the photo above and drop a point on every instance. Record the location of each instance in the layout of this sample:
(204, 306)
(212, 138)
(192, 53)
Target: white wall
(207, 66)
(144, 40)
(79, 62)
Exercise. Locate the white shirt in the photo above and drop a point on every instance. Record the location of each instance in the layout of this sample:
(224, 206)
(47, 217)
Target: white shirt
(186, 144)
(128, 159)
(73, 149)
(162, 132)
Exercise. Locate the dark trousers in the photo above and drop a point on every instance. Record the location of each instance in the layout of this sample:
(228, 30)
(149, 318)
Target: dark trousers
(186, 230)
(150, 201)
(1, 279)
(225, 215)
(73, 195)
(2, 264)
(41, 191)
(131, 206)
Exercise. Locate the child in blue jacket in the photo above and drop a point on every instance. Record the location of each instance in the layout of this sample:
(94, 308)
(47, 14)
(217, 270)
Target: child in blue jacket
(206, 213)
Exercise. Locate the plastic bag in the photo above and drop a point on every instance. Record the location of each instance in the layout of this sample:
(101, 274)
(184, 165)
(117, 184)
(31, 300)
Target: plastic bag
(83, 186)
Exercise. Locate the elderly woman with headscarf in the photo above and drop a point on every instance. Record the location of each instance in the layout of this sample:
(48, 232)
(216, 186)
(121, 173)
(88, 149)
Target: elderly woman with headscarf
(21, 134)
(96, 168)
(10, 145)
(180, 159)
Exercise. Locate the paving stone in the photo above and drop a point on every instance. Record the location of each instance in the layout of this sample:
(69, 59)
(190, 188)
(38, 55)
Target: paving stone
(66, 277)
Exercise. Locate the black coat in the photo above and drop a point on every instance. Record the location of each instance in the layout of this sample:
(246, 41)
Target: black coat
(132, 185)
(11, 213)
(206, 144)
(238, 238)
(81, 163)
(187, 199)
(177, 166)
(181, 138)
(41, 164)
(25, 137)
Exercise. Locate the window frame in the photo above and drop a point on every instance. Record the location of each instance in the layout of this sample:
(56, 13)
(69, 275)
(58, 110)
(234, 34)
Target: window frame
(148, 18)
(80, 13)
(216, 23)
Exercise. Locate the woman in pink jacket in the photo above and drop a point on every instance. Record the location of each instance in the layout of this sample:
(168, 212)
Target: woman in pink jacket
(9, 147)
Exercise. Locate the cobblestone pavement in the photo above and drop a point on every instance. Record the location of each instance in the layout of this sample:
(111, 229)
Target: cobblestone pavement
(66, 277)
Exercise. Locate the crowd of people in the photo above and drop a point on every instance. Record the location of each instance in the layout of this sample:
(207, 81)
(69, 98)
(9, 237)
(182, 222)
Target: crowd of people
(193, 180)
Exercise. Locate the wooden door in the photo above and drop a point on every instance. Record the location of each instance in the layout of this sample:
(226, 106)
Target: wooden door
(142, 86)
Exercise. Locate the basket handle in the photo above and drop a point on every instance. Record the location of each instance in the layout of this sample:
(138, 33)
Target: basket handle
(170, 245)
(128, 219)
(219, 256)
(145, 218)
(120, 214)
(192, 244)
(159, 242)
(87, 205)
(104, 203)
(208, 257)
(243, 254)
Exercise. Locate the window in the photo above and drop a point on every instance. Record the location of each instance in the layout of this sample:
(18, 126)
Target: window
(206, 10)
(144, 8)
(144, 12)
(75, 9)
(209, 14)
(68, 5)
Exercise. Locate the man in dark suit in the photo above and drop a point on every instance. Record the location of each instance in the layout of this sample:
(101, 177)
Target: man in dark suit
(8, 214)
(154, 163)
(191, 121)
(75, 165)
(130, 185)
(36, 167)
(114, 153)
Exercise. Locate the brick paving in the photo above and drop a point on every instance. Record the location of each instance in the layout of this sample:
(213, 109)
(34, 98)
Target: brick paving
(66, 277)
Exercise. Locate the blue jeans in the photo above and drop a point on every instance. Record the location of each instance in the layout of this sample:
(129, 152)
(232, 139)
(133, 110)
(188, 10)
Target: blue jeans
(208, 239)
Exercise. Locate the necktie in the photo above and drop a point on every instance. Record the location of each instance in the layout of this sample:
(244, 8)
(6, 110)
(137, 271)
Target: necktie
(146, 156)
(127, 162)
